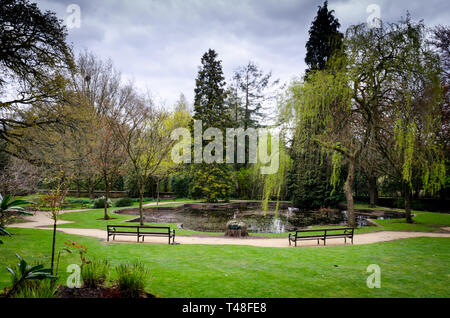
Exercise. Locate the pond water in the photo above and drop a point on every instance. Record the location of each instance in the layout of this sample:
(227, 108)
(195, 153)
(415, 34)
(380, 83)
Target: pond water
(257, 220)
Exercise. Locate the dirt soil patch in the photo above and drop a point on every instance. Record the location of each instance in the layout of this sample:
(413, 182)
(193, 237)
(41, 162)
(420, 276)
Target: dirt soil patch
(101, 292)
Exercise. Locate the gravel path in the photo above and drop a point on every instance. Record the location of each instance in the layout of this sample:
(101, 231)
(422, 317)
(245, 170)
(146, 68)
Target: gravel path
(41, 219)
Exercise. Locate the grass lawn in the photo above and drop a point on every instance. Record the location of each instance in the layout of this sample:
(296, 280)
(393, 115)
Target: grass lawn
(415, 267)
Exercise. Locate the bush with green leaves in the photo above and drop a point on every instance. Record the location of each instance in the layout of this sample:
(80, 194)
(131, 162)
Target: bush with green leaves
(122, 202)
(131, 279)
(8, 207)
(24, 276)
(95, 273)
(37, 289)
(80, 201)
(99, 203)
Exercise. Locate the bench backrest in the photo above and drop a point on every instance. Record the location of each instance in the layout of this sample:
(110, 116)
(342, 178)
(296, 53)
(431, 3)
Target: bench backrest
(139, 227)
(327, 230)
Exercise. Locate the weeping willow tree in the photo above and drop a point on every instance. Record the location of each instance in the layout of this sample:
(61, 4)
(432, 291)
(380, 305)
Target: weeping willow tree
(325, 102)
(409, 137)
(272, 184)
(381, 88)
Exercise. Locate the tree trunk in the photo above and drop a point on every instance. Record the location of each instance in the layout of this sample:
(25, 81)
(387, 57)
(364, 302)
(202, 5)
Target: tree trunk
(373, 192)
(53, 244)
(78, 188)
(141, 186)
(349, 194)
(407, 191)
(105, 176)
(157, 192)
(91, 190)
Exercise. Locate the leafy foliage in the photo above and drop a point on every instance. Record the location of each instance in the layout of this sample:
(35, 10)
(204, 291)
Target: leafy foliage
(211, 180)
(6, 208)
(23, 274)
(131, 279)
(95, 273)
(100, 203)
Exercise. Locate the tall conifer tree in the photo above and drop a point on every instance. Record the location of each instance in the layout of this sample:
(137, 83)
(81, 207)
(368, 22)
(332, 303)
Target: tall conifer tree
(310, 173)
(211, 181)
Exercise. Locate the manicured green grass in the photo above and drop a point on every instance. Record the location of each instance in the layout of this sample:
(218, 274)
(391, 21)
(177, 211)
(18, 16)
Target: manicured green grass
(409, 268)
(423, 222)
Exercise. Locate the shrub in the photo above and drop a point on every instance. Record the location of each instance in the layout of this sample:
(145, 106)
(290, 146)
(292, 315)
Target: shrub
(79, 201)
(100, 203)
(95, 273)
(25, 275)
(131, 279)
(37, 289)
(124, 202)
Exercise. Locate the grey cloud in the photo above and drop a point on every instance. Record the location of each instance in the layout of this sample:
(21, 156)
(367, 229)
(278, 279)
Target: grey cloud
(159, 43)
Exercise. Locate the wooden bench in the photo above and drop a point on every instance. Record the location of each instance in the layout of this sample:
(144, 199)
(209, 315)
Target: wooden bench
(322, 234)
(140, 231)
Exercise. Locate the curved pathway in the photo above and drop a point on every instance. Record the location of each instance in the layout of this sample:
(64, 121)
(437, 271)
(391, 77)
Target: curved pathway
(41, 220)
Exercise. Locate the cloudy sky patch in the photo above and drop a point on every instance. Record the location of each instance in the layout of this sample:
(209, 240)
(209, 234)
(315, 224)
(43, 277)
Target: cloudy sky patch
(159, 43)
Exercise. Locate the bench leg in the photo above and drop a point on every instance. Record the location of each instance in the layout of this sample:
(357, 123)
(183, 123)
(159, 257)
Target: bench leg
(352, 240)
(318, 241)
(324, 241)
(107, 239)
(345, 240)
(143, 238)
(138, 237)
(114, 237)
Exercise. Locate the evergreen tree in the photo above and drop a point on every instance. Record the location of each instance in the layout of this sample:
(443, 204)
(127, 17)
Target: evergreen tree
(212, 181)
(324, 38)
(309, 177)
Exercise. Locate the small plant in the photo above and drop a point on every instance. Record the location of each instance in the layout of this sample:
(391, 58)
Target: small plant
(95, 273)
(37, 289)
(131, 279)
(24, 275)
(82, 202)
(122, 202)
(100, 203)
(82, 250)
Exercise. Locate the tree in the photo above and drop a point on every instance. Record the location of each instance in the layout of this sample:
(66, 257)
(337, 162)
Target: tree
(34, 57)
(347, 102)
(142, 131)
(211, 180)
(54, 200)
(411, 120)
(252, 91)
(110, 156)
(179, 118)
(19, 177)
(310, 174)
(441, 41)
(324, 39)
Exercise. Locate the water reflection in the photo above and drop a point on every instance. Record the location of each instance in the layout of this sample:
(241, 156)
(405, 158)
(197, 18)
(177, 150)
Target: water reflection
(257, 220)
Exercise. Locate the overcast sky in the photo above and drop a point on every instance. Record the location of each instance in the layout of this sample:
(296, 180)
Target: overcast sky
(159, 43)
